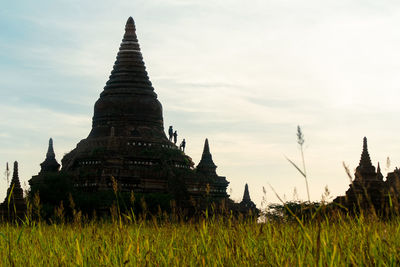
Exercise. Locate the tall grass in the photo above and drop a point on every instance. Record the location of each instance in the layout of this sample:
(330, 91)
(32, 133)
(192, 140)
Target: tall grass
(333, 239)
(165, 240)
(303, 171)
(213, 241)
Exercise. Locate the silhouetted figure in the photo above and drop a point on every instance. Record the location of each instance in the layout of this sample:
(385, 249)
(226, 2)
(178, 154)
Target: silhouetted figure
(170, 133)
(182, 145)
(175, 137)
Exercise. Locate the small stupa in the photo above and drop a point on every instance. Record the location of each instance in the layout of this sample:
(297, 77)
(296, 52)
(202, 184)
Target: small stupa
(50, 164)
(246, 204)
(14, 202)
(206, 165)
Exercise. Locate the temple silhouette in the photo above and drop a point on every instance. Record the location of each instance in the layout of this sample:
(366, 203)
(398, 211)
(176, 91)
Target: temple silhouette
(247, 205)
(368, 189)
(127, 145)
(14, 205)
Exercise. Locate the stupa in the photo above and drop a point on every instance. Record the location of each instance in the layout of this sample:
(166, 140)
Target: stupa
(127, 141)
(14, 204)
(246, 202)
(49, 165)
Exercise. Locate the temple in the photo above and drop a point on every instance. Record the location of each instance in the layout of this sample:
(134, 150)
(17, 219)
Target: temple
(368, 189)
(127, 142)
(14, 205)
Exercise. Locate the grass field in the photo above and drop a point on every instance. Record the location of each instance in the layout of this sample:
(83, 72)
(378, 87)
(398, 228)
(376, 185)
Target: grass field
(209, 242)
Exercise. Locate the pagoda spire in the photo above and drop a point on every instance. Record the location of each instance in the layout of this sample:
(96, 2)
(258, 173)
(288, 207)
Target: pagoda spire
(365, 160)
(14, 200)
(246, 204)
(130, 30)
(15, 177)
(206, 149)
(246, 194)
(50, 164)
(15, 186)
(206, 164)
(365, 168)
(128, 100)
(50, 151)
(129, 72)
(379, 174)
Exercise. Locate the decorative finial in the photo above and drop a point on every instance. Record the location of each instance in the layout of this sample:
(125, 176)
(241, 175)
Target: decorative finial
(50, 151)
(365, 146)
(130, 29)
(130, 21)
(206, 149)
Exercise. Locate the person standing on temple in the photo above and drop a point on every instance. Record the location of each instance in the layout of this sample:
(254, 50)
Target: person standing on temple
(183, 144)
(175, 137)
(170, 133)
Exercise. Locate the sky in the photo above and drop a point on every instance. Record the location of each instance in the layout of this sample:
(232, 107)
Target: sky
(242, 74)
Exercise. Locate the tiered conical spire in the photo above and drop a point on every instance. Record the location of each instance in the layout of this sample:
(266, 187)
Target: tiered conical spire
(206, 164)
(246, 195)
(15, 185)
(14, 200)
(246, 202)
(50, 164)
(15, 177)
(129, 71)
(365, 168)
(128, 100)
(365, 160)
(50, 150)
(206, 149)
(379, 174)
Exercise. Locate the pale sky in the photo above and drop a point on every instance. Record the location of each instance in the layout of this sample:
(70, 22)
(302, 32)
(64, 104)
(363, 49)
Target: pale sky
(242, 74)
